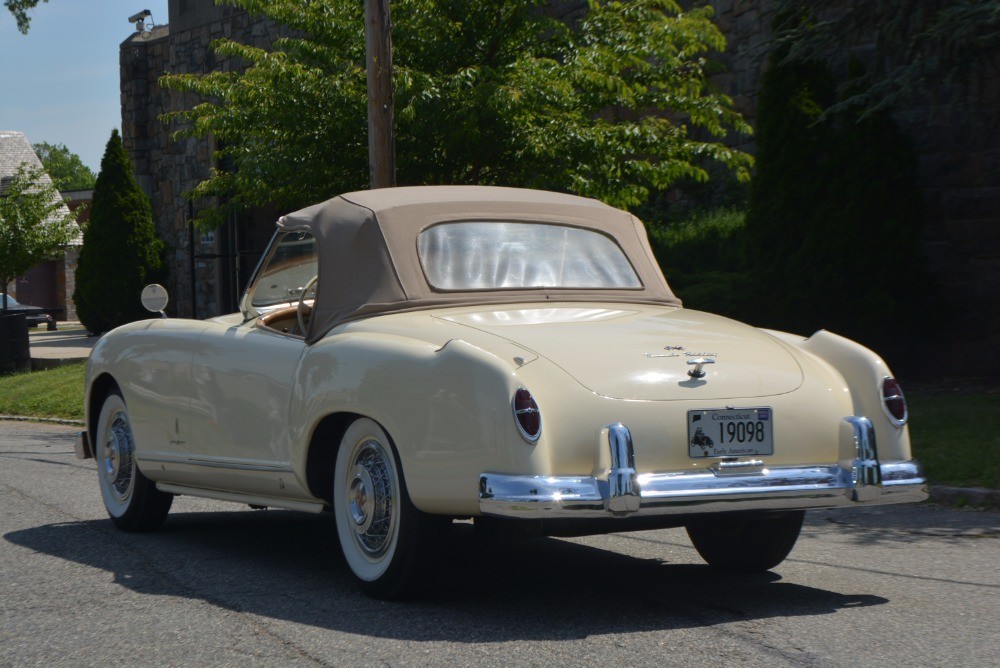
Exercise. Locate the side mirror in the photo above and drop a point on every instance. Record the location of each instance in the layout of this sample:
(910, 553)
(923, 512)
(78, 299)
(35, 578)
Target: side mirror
(154, 298)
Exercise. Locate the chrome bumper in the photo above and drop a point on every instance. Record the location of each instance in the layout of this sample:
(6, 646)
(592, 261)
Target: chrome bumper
(728, 486)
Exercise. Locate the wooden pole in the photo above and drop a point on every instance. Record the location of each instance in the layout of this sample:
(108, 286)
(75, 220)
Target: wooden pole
(378, 56)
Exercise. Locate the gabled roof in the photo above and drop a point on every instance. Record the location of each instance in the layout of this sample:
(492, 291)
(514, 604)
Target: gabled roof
(16, 150)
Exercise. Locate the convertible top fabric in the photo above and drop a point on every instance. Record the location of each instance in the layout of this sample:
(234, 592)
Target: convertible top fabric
(368, 261)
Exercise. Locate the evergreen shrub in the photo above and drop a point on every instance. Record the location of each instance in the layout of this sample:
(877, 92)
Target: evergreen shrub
(833, 227)
(121, 252)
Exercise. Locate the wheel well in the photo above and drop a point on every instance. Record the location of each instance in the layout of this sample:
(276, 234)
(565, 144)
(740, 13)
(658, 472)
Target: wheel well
(323, 453)
(102, 386)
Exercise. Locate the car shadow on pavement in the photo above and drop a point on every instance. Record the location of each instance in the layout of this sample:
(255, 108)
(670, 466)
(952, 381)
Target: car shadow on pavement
(287, 566)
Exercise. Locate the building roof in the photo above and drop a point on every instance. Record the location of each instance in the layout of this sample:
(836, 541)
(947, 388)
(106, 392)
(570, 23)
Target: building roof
(16, 150)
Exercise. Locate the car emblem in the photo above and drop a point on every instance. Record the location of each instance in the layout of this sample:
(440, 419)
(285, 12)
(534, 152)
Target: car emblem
(668, 348)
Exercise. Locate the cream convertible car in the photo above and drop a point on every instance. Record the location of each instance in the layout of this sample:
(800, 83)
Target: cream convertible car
(409, 356)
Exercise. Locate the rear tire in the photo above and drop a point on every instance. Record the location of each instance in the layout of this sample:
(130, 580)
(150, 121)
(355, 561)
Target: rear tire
(131, 499)
(387, 542)
(746, 544)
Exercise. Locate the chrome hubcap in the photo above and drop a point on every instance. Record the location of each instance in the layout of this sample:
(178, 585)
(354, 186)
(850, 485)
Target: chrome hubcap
(370, 499)
(361, 499)
(118, 451)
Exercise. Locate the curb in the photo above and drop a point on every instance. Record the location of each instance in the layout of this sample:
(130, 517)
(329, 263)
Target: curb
(46, 363)
(30, 418)
(965, 496)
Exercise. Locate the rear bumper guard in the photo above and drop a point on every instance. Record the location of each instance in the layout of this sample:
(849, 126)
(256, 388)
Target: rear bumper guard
(728, 486)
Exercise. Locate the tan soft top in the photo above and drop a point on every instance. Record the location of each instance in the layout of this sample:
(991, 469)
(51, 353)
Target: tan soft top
(368, 261)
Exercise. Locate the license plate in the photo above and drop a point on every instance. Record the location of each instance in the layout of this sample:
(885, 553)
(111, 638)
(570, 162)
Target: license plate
(730, 432)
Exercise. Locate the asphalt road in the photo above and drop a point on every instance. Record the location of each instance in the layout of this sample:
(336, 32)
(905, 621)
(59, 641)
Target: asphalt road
(224, 585)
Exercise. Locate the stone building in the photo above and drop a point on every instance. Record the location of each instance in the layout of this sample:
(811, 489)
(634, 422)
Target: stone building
(208, 271)
(959, 170)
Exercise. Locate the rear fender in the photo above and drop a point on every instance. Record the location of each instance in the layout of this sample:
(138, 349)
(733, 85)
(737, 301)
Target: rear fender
(862, 372)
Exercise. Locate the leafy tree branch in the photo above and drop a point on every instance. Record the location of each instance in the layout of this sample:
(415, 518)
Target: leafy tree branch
(616, 105)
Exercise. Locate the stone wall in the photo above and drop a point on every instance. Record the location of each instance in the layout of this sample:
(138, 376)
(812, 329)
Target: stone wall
(167, 168)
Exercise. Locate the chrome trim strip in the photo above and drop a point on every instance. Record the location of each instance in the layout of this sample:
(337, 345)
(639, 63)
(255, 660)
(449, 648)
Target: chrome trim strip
(248, 499)
(684, 493)
(219, 464)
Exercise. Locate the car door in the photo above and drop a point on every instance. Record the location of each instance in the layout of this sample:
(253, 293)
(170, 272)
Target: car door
(242, 383)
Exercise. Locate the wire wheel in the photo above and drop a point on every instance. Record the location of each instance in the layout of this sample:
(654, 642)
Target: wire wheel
(118, 463)
(372, 499)
(131, 499)
(388, 544)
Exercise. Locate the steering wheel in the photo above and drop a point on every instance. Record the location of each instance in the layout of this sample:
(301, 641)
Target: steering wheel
(300, 310)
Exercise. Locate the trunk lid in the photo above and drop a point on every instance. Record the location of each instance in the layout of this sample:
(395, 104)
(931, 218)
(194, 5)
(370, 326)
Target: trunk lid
(642, 353)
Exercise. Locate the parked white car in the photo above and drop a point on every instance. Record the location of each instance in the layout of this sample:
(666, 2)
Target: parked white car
(408, 356)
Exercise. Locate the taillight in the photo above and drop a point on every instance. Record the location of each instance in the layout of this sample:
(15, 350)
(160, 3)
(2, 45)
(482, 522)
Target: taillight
(526, 415)
(894, 401)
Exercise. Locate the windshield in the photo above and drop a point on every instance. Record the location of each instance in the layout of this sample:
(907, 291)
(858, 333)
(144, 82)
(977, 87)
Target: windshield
(285, 271)
(477, 255)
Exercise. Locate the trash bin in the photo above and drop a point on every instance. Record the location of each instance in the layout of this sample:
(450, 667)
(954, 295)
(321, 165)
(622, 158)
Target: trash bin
(15, 353)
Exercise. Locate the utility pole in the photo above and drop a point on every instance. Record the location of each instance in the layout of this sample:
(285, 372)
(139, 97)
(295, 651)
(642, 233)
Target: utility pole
(378, 61)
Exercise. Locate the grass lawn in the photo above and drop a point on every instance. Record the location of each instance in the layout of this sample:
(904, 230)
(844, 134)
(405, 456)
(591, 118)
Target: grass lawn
(55, 393)
(955, 436)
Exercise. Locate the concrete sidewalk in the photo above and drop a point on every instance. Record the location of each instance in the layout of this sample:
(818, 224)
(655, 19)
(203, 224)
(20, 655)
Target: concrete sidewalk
(69, 343)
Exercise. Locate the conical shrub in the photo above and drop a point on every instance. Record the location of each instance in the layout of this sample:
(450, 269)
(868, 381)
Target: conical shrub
(121, 252)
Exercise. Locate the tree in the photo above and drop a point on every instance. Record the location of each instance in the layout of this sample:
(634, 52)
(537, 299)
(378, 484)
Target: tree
(34, 223)
(121, 252)
(19, 10)
(834, 222)
(64, 167)
(613, 104)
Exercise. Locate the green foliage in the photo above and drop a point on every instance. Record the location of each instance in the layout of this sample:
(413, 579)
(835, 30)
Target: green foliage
(34, 223)
(19, 10)
(835, 212)
(64, 167)
(121, 252)
(703, 258)
(615, 106)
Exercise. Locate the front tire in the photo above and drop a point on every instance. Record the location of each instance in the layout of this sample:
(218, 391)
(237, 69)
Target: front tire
(741, 544)
(386, 541)
(131, 499)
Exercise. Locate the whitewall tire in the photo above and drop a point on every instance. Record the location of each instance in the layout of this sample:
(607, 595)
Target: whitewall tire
(386, 541)
(131, 499)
